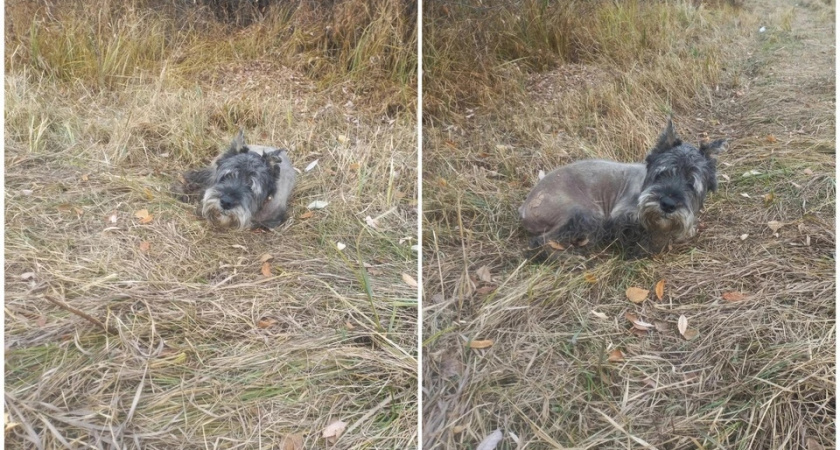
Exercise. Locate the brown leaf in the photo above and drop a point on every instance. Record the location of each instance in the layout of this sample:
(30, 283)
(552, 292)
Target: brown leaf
(733, 296)
(484, 274)
(813, 444)
(660, 289)
(355, 166)
(481, 344)
(292, 442)
(85, 178)
(636, 295)
(484, 290)
(41, 321)
(774, 225)
(409, 280)
(266, 269)
(144, 216)
(615, 355)
(555, 245)
(808, 172)
(333, 431)
(598, 314)
(307, 215)
(661, 326)
(266, 322)
(690, 334)
(771, 139)
(589, 278)
(682, 324)
(458, 429)
(145, 246)
(266, 257)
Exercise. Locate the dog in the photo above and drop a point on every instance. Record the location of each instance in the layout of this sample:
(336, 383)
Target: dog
(247, 186)
(645, 206)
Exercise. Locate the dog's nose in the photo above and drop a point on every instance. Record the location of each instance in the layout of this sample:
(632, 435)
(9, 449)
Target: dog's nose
(668, 204)
(226, 202)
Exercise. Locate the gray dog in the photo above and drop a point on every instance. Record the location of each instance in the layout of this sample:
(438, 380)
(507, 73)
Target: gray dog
(247, 186)
(642, 205)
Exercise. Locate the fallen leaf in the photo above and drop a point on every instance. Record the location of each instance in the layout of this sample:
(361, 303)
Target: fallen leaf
(349, 325)
(636, 295)
(591, 279)
(641, 325)
(690, 334)
(26, 192)
(615, 355)
(442, 182)
(27, 276)
(333, 431)
(307, 215)
(771, 139)
(774, 225)
(661, 326)
(745, 195)
(311, 166)
(144, 216)
(733, 296)
(481, 344)
(266, 322)
(813, 444)
(484, 290)
(555, 245)
(768, 198)
(371, 223)
(148, 194)
(113, 218)
(502, 147)
(582, 242)
(599, 315)
(682, 324)
(342, 138)
(484, 274)
(355, 166)
(266, 257)
(409, 280)
(85, 178)
(541, 174)
(145, 246)
(458, 429)
(744, 236)
(491, 441)
(340, 246)
(266, 269)
(41, 321)
(292, 442)
(318, 204)
(660, 289)
(751, 173)
(808, 172)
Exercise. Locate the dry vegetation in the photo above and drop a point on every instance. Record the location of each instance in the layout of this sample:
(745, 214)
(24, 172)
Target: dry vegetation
(517, 87)
(202, 341)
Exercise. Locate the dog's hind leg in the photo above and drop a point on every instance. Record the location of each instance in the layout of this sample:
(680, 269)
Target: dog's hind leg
(274, 211)
(191, 188)
(580, 228)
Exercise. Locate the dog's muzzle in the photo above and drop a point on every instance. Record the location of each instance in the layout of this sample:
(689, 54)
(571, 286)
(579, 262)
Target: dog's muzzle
(223, 212)
(667, 216)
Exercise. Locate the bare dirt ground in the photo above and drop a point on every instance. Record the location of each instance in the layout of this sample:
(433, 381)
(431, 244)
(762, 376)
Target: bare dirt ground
(187, 337)
(758, 284)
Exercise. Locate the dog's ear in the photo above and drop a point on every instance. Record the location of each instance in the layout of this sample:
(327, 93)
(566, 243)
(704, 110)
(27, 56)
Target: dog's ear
(668, 139)
(238, 144)
(273, 159)
(709, 149)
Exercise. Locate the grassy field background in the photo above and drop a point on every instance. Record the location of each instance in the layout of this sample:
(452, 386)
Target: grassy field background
(512, 88)
(154, 331)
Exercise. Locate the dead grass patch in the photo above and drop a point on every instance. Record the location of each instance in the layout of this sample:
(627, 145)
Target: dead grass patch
(207, 349)
(760, 373)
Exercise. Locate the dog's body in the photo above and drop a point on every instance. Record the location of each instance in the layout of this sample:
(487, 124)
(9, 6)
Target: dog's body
(648, 204)
(247, 186)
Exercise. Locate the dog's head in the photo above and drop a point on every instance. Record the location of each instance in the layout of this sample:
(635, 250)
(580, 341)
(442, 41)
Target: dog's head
(243, 180)
(679, 175)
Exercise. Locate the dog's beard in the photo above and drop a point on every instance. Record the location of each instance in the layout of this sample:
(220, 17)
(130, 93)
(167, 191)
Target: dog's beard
(237, 217)
(680, 225)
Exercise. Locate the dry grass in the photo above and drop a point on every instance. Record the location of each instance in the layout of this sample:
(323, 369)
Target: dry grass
(761, 373)
(204, 351)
